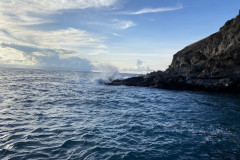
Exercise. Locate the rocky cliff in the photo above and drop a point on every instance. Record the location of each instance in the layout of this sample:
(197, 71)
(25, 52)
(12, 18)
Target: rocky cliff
(211, 64)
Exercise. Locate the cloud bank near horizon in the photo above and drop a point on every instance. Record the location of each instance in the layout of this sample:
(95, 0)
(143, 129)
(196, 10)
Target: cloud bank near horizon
(45, 58)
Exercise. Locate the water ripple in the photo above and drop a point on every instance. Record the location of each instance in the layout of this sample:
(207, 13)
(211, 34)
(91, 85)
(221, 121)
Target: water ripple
(65, 115)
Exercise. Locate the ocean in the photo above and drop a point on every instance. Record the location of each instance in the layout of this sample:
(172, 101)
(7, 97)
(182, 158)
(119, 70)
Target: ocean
(71, 115)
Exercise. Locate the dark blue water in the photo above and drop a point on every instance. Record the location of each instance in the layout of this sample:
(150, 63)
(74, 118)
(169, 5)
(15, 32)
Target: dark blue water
(67, 115)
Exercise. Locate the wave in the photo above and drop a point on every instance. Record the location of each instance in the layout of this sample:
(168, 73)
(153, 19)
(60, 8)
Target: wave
(107, 77)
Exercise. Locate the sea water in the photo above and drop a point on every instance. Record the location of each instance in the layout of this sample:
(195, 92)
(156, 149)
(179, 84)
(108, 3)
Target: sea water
(68, 115)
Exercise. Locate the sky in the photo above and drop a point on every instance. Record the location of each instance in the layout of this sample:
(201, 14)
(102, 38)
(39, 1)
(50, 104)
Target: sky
(91, 35)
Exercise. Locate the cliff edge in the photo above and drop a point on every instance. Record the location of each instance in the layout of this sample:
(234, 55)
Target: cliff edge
(211, 64)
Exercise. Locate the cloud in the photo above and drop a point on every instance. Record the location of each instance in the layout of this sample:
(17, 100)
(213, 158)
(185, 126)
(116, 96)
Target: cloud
(43, 58)
(123, 24)
(32, 12)
(152, 10)
(141, 68)
(25, 42)
(116, 34)
(106, 68)
(139, 63)
(54, 5)
(67, 43)
(138, 69)
(100, 49)
(63, 38)
(18, 17)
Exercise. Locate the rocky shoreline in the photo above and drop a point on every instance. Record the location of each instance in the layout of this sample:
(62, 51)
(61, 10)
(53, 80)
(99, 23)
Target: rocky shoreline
(211, 64)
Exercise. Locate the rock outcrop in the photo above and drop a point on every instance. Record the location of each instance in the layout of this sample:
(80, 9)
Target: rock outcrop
(211, 64)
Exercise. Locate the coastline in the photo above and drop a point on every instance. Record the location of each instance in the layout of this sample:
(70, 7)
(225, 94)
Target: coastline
(211, 64)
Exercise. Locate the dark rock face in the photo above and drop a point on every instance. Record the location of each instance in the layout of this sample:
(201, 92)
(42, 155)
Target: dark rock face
(211, 64)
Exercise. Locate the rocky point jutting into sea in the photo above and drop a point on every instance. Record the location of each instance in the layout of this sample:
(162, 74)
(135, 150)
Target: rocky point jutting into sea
(211, 64)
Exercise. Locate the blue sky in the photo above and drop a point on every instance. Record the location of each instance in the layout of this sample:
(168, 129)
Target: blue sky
(132, 35)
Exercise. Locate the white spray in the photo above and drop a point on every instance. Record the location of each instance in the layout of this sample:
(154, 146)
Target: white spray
(108, 74)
